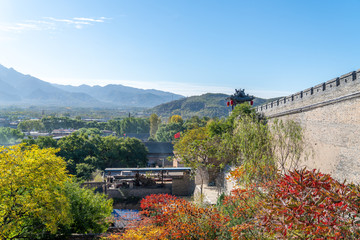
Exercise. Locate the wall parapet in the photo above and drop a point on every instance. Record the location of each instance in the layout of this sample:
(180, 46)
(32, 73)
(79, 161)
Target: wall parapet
(335, 89)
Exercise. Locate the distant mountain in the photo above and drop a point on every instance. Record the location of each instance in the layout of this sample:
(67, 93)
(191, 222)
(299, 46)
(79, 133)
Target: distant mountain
(19, 89)
(124, 96)
(210, 105)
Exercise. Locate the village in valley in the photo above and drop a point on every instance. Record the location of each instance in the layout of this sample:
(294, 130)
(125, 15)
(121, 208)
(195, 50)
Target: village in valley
(190, 120)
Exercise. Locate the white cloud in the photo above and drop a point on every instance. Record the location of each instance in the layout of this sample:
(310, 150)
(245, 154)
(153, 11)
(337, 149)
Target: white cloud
(90, 19)
(49, 23)
(77, 22)
(19, 27)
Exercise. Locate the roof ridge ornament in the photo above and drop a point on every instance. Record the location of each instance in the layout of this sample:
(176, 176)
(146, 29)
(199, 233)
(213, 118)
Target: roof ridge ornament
(239, 97)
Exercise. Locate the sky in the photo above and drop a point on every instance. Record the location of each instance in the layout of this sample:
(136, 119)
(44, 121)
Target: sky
(189, 47)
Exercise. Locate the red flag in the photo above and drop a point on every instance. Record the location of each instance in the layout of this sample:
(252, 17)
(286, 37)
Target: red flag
(177, 135)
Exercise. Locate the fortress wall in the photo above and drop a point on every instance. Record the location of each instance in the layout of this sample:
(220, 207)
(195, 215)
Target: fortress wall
(345, 86)
(330, 116)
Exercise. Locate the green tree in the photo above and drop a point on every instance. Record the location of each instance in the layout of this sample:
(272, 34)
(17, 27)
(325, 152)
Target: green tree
(120, 152)
(90, 131)
(31, 196)
(46, 142)
(129, 125)
(256, 159)
(29, 125)
(195, 122)
(288, 144)
(10, 135)
(76, 147)
(95, 152)
(84, 171)
(90, 211)
(155, 121)
(166, 132)
(196, 150)
(29, 141)
(134, 153)
(243, 140)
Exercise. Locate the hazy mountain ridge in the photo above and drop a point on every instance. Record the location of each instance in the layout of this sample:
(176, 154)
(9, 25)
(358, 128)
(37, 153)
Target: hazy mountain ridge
(124, 95)
(209, 104)
(19, 89)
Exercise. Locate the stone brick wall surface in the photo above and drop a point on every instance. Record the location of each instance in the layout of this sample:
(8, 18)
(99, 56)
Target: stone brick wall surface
(330, 116)
(136, 192)
(184, 186)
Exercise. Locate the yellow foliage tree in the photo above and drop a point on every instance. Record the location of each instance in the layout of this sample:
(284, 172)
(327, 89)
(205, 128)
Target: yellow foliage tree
(176, 119)
(31, 191)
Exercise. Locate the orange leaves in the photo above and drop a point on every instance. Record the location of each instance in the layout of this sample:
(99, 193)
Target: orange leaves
(181, 219)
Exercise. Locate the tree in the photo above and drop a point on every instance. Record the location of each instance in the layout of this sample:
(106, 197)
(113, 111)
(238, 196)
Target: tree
(84, 171)
(29, 125)
(10, 135)
(256, 160)
(196, 150)
(166, 132)
(46, 142)
(195, 122)
(129, 125)
(176, 119)
(288, 144)
(31, 196)
(120, 152)
(89, 211)
(77, 147)
(134, 153)
(155, 121)
(90, 131)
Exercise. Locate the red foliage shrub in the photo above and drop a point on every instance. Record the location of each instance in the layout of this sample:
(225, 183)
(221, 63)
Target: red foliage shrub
(300, 205)
(153, 204)
(310, 205)
(183, 219)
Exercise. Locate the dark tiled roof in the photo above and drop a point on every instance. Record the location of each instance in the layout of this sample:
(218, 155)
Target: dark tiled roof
(138, 135)
(159, 147)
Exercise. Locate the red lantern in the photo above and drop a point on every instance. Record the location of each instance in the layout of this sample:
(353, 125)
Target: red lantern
(177, 135)
(252, 102)
(227, 104)
(231, 102)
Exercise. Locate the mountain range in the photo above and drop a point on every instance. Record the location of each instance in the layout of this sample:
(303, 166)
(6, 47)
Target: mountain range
(25, 90)
(209, 105)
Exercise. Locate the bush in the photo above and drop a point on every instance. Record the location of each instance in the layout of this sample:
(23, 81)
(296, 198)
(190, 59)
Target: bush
(300, 205)
(175, 218)
(308, 204)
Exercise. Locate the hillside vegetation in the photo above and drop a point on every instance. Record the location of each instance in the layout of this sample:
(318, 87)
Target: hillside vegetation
(206, 105)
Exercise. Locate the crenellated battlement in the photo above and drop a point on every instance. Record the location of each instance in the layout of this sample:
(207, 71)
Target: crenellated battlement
(337, 88)
(329, 114)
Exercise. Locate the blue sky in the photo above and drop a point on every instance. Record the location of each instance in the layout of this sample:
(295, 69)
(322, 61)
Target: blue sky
(270, 48)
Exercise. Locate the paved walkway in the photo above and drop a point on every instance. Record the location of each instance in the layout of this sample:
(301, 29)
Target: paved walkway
(211, 194)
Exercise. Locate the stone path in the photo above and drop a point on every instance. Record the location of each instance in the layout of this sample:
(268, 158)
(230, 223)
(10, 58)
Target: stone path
(211, 194)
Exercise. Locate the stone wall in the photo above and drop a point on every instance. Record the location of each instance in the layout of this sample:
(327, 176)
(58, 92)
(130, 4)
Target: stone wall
(138, 192)
(183, 186)
(329, 113)
(344, 87)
